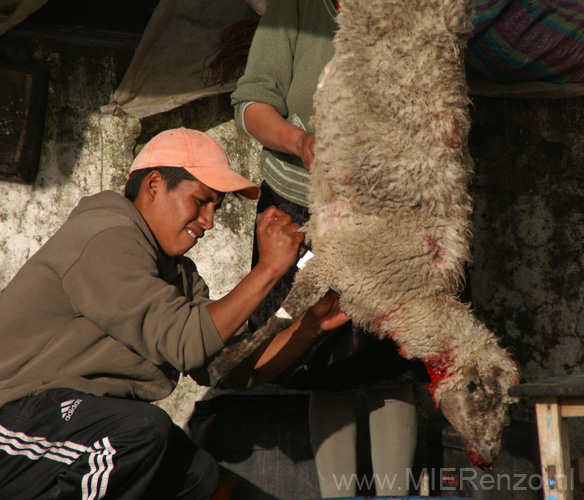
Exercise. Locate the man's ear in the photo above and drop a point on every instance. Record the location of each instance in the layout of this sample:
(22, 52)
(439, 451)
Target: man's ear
(152, 184)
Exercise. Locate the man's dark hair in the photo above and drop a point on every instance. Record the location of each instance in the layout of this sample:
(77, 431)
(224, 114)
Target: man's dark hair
(173, 176)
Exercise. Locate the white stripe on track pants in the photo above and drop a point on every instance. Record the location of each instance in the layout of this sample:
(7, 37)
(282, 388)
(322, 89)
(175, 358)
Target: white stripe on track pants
(64, 444)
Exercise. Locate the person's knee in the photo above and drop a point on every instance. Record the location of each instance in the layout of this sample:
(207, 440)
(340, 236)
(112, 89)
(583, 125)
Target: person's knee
(203, 477)
(153, 427)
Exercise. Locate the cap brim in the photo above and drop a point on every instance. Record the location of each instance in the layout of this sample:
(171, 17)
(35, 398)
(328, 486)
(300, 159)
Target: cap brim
(225, 181)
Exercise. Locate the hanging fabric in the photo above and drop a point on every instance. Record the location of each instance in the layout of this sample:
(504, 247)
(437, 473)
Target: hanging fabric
(13, 12)
(171, 64)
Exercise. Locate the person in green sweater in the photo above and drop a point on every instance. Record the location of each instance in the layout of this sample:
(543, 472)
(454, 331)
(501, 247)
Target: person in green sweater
(273, 103)
(107, 314)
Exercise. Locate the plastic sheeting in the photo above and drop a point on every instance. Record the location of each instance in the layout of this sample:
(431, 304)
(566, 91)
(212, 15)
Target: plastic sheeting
(180, 39)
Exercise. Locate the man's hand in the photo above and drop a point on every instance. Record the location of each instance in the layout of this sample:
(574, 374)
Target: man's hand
(327, 312)
(278, 241)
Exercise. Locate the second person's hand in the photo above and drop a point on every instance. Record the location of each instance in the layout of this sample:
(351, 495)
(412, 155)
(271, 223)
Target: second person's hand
(306, 149)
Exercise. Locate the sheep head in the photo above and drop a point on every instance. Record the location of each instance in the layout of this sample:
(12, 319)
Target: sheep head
(476, 406)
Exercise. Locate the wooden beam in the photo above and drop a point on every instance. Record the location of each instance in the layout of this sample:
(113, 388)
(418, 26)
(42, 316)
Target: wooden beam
(554, 450)
(572, 407)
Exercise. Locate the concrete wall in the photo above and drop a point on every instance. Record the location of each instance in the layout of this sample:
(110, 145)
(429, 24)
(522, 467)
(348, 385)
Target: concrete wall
(528, 272)
(527, 277)
(526, 280)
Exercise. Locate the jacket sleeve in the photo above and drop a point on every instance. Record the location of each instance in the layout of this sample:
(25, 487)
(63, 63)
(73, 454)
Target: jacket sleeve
(268, 72)
(243, 376)
(115, 283)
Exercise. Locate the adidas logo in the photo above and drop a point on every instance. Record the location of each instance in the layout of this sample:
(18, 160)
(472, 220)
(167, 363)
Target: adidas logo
(69, 407)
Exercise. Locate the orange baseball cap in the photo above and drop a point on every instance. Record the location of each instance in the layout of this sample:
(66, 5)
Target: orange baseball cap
(198, 153)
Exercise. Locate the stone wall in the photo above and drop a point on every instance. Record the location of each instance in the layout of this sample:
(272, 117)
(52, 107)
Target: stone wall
(527, 277)
(72, 163)
(527, 280)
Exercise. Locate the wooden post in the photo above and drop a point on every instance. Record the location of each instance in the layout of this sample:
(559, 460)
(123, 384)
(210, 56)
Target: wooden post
(425, 484)
(554, 450)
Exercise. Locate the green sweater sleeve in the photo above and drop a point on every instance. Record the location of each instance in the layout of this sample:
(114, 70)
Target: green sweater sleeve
(291, 46)
(268, 73)
(242, 376)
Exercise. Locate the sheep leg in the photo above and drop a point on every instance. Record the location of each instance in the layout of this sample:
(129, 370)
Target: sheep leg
(304, 294)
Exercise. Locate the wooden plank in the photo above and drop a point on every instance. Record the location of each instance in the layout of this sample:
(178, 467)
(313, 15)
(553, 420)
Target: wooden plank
(554, 450)
(572, 407)
(529, 90)
(23, 95)
(569, 385)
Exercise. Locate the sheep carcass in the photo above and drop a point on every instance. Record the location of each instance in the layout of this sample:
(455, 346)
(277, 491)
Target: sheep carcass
(389, 206)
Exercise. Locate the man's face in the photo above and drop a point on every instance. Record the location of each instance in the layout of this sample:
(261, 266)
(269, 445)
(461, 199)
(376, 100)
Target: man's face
(181, 216)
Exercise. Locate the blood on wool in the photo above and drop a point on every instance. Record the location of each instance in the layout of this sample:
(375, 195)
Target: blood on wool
(438, 253)
(439, 368)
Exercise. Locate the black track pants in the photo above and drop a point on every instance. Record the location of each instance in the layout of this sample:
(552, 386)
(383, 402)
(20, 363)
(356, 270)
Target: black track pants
(64, 444)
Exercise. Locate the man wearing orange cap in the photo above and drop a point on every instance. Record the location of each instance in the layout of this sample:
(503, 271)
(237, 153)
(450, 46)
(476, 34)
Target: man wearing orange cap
(108, 313)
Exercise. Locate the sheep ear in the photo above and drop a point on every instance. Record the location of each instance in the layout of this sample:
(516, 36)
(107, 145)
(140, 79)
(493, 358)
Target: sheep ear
(471, 374)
